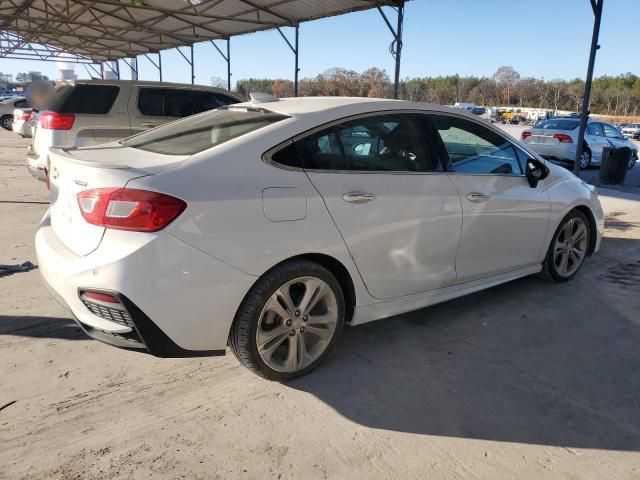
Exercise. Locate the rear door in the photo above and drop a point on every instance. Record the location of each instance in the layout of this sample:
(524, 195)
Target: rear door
(151, 106)
(399, 218)
(504, 220)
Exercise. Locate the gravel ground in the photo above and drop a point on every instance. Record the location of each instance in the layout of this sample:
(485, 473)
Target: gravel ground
(527, 380)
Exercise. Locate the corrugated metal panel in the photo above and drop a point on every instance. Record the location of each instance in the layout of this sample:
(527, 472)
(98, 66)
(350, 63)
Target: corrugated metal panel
(110, 29)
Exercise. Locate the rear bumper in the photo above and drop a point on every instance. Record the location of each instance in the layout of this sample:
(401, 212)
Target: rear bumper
(560, 151)
(36, 167)
(181, 301)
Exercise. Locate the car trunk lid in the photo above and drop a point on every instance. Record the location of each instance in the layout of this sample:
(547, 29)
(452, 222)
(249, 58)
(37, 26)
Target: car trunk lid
(75, 170)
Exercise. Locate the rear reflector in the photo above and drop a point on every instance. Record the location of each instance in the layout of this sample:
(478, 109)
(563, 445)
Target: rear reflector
(563, 138)
(129, 208)
(102, 297)
(57, 121)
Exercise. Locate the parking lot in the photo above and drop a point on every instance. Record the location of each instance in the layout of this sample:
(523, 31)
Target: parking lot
(525, 380)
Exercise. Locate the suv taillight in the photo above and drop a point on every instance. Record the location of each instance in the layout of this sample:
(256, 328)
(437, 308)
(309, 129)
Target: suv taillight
(57, 121)
(525, 134)
(563, 138)
(129, 208)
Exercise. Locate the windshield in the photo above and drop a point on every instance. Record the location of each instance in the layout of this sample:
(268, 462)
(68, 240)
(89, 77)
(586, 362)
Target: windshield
(200, 132)
(558, 124)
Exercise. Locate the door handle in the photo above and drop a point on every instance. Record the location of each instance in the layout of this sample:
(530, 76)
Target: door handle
(477, 197)
(149, 124)
(358, 197)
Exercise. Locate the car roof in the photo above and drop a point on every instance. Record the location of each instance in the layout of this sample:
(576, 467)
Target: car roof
(147, 83)
(336, 107)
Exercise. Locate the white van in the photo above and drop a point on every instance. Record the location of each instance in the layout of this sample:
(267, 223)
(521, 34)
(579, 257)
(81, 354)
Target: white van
(89, 112)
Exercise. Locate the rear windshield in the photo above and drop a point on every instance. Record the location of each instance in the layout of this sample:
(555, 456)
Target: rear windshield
(91, 99)
(200, 132)
(558, 124)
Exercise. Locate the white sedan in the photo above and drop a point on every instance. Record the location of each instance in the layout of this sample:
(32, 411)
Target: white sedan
(268, 225)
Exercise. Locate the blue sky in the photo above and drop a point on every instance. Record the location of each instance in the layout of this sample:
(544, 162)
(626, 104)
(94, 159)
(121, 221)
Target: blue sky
(541, 38)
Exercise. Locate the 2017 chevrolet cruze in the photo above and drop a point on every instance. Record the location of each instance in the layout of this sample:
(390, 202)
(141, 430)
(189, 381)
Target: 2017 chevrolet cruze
(268, 225)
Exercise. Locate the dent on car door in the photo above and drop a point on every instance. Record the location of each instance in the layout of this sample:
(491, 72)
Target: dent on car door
(505, 221)
(400, 220)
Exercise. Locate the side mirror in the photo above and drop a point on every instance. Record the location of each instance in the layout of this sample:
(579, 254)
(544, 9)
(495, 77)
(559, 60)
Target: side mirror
(535, 171)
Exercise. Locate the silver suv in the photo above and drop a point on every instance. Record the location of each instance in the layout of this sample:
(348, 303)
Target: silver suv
(90, 112)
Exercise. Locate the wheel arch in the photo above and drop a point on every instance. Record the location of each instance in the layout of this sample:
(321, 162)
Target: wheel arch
(332, 264)
(593, 229)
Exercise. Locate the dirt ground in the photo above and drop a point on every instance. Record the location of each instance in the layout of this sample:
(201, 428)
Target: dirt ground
(527, 380)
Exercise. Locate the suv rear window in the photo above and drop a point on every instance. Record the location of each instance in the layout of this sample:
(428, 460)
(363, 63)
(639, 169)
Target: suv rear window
(558, 124)
(175, 102)
(200, 132)
(84, 98)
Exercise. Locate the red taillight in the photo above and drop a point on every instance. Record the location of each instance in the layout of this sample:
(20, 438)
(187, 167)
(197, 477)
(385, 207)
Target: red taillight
(525, 134)
(103, 297)
(129, 208)
(57, 121)
(563, 138)
(24, 116)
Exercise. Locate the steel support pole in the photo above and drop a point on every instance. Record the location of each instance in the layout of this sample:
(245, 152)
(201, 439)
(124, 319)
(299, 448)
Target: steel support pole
(398, 49)
(584, 114)
(160, 65)
(229, 64)
(295, 78)
(193, 74)
(101, 71)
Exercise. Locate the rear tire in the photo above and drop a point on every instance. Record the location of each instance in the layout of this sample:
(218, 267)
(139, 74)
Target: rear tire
(568, 249)
(289, 321)
(585, 159)
(6, 121)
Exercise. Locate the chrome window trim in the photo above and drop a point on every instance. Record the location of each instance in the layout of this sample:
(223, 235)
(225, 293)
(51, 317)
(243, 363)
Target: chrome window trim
(267, 156)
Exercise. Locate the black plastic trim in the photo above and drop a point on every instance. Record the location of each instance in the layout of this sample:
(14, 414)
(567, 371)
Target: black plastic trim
(153, 339)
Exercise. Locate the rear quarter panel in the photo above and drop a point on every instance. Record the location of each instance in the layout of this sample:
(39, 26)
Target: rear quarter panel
(224, 189)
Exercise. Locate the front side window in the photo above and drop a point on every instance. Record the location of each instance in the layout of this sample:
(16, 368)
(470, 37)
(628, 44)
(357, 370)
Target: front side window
(610, 131)
(594, 129)
(195, 134)
(474, 148)
(380, 143)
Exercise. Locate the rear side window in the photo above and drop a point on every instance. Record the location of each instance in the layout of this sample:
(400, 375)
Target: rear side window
(380, 143)
(172, 102)
(558, 125)
(21, 103)
(84, 98)
(195, 134)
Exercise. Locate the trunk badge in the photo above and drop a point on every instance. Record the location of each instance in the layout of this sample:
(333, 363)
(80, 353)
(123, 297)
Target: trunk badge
(81, 182)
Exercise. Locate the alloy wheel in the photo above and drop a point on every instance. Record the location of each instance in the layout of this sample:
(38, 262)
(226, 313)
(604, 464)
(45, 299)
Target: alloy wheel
(6, 123)
(571, 246)
(297, 324)
(585, 159)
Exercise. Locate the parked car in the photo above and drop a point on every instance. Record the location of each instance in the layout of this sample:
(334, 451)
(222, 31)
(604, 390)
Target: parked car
(6, 110)
(557, 138)
(22, 121)
(91, 112)
(632, 130)
(269, 225)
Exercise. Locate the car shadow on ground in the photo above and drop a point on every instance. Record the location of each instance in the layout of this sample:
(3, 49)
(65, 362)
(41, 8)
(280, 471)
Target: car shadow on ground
(527, 361)
(41, 327)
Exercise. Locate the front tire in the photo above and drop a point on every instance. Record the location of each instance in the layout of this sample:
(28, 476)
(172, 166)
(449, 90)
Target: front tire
(569, 248)
(6, 122)
(289, 322)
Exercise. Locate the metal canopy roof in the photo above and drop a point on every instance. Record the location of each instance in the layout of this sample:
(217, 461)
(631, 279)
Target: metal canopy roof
(102, 30)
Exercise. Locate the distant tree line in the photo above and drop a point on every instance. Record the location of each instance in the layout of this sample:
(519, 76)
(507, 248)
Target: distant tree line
(619, 95)
(21, 78)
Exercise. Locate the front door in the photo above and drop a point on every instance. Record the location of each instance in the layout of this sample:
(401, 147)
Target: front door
(504, 220)
(400, 220)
